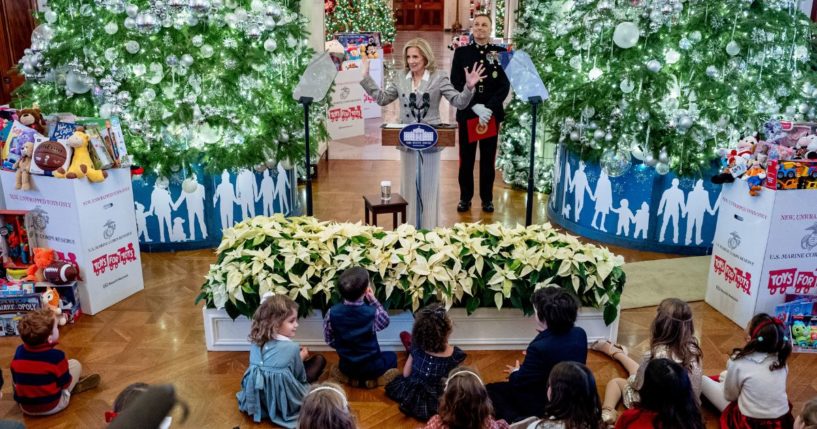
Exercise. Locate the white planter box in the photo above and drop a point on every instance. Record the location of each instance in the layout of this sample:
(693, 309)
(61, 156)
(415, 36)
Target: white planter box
(485, 329)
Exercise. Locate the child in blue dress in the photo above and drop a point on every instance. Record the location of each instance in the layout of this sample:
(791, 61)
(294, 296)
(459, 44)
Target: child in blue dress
(430, 360)
(280, 371)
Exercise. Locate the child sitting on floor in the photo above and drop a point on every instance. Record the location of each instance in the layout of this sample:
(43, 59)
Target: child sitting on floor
(672, 337)
(280, 370)
(351, 329)
(753, 393)
(44, 379)
(808, 417)
(431, 359)
(572, 400)
(665, 400)
(465, 403)
(525, 393)
(326, 407)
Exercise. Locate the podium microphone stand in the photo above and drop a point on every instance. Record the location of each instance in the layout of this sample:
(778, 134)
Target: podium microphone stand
(528, 86)
(313, 87)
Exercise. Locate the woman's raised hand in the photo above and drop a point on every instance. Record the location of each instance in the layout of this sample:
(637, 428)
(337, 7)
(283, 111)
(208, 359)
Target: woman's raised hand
(474, 76)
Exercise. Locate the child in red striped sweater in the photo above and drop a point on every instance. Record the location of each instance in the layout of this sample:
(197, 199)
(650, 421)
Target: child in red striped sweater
(43, 378)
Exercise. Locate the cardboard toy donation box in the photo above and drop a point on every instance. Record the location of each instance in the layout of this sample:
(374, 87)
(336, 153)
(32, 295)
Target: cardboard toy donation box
(764, 248)
(90, 224)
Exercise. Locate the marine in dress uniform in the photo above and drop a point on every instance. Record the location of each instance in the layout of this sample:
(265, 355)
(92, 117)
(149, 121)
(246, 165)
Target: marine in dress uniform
(489, 93)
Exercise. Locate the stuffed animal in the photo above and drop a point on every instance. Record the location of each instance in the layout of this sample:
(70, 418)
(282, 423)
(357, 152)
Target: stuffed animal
(81, 164)
(755, 177)
(23, 166)
(51, 298)
(43, 257)
(805, 145)
(32, 118)
(799, 333)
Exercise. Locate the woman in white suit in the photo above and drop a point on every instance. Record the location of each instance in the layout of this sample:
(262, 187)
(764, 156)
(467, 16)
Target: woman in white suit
(422, 77)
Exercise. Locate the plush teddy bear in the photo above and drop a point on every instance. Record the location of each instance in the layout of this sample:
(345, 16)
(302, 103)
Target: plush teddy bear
(32, 118)
(81, 164)
(23, 166)
(43, 257)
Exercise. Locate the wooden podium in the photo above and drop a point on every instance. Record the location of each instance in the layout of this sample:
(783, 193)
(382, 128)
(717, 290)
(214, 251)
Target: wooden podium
(420, 173)
(446, 134)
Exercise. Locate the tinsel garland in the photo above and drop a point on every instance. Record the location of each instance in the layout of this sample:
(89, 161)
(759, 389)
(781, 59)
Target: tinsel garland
(194, 81)
(666, 82)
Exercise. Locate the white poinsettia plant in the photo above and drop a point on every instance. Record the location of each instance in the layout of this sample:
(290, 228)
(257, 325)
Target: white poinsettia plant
(468, 265)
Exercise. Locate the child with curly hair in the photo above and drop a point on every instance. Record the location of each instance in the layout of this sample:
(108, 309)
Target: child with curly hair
(280, 371)
(431, 358)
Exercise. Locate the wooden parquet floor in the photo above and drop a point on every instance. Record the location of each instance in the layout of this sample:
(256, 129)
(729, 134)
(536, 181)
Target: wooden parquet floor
(156, 336)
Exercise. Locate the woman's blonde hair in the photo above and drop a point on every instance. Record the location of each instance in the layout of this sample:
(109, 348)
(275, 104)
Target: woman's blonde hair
(425, 51)
(269, 317)
(326, 407)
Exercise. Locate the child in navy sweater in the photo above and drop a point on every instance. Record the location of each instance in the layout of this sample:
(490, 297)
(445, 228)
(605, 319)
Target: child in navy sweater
(351, 329)
(558, 341)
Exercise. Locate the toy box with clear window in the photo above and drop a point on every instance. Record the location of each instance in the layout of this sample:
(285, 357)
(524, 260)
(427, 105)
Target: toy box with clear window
(15, 251)
(68, 298)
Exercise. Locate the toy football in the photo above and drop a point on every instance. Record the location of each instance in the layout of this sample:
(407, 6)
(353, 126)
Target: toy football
(60, 272)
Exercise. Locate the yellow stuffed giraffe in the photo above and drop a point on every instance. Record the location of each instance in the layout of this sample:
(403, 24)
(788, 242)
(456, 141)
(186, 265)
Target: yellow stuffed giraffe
(81, 164)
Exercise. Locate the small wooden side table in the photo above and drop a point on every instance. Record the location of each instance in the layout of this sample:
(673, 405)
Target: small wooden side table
(373, 204)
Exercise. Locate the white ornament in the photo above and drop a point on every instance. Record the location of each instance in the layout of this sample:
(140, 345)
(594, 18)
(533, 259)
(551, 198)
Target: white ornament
(187, 60)
(270, 45)
(662, 168)
(672, 56)
(653, 66)
(626, 35)
(139, 70)
(732, 48)
(594, 73)
(50, 16)
(111, 28)
(626, 86)
(76, 84)
(190, 185)
(206, 51)
(132, 10)
(132, 46)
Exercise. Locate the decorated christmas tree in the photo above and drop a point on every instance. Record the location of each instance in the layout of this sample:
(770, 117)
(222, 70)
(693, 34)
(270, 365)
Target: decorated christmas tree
(194, 81)
(360, 15)
(665, 82)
